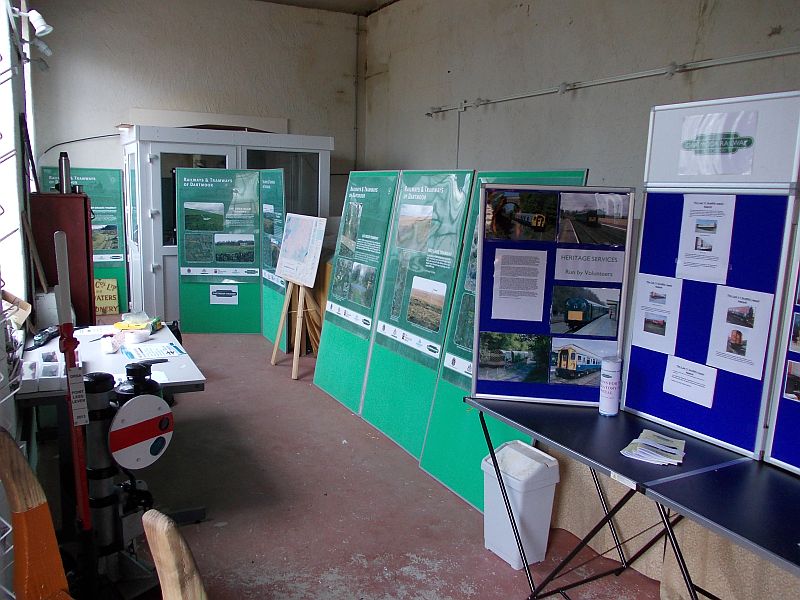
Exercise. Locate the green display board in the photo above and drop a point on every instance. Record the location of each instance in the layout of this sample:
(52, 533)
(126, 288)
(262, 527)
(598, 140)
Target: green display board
(219, 225)
(104, 188)
(415, 298)
(454, 443)
(357, 263)
(273, 291)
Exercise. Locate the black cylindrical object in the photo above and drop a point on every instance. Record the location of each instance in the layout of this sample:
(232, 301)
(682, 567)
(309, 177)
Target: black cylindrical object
(100, 466)
(138, 383)
(64, 174)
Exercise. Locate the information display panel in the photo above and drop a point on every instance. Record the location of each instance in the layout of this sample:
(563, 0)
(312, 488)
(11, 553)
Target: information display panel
(551, 288)
(104, 188)
(273, 289)
(415, 298)
(357, 265)
(219, 223)
(704, 312)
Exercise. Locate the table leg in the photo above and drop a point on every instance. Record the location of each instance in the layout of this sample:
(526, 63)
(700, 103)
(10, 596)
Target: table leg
(611, 526)
(499, 475)
(677, 550)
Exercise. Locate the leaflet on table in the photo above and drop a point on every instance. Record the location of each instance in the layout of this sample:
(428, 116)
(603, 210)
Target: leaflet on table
(690, 380)
(590, 265)
(349, 315)
(657, 305)
(150, 350)
(519, 284)
(705, 243)
(409, 339)
(740, 331)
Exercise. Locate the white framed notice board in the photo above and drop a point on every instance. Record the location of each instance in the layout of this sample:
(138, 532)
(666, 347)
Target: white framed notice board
(708, 308)
(551, 287)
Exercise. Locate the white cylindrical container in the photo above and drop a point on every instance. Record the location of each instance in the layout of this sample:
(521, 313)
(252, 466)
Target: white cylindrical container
(610, 385)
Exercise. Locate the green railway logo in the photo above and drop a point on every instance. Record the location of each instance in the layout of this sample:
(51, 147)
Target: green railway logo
(718, 143)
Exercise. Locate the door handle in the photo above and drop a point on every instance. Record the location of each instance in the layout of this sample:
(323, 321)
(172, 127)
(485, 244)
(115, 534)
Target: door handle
(155, 267)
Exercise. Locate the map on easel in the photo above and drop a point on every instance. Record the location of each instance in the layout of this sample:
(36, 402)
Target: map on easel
(300, 249)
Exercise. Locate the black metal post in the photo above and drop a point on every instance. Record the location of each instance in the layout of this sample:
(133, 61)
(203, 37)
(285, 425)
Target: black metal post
(677, 550)
(611, 526)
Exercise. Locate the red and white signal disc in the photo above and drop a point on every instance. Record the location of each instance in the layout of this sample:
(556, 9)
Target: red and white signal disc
(140, 431)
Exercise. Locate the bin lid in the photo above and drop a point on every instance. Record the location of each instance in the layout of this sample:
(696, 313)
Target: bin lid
(523, 466)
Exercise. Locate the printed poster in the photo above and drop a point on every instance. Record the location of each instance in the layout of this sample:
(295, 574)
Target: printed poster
(657, 307)
(360, 249)
(718, 143)
(422, 257)
(705, 242)
(300, 249)
(519, 284)
(272, 217)
(690, 380)
(740, 331)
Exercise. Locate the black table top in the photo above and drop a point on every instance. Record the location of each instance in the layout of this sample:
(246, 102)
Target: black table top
(584, 434)
(752, 503)
(755, 504)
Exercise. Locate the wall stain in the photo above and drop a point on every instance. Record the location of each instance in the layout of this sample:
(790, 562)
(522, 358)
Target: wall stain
(773, 31)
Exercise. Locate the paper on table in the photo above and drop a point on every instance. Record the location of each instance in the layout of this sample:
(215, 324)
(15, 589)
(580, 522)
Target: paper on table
(739, 331)
(705, 243)
(518, 291)
(657, 305)
(690, 380)
(142, 351)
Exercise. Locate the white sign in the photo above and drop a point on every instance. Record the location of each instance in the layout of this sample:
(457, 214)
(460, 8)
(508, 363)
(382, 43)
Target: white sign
(718, 143)
(690, 380)
(418, 343)
(140, 431)
(224, 294)
(77, 392)
(606, 266)
(657, 306)
(739, 331)
(349, 315)
(300, 249)
(458, 364)
(518, 291)
(705, 243)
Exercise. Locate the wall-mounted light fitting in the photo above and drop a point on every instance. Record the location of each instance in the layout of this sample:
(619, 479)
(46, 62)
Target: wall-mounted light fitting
(37, 21)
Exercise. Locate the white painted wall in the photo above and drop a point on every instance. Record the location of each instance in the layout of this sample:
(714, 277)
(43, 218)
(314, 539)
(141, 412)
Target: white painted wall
(421, 54)
(239, 57)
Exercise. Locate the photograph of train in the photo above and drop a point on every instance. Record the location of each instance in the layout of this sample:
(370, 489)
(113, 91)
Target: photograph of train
(655, 323)
(741, 315)
(703, 244)
(737, 343)
(794, 342)
(521, 215)
(792, 388)
(515, 357)
(588, 218)
(584, 311)
(578, 362)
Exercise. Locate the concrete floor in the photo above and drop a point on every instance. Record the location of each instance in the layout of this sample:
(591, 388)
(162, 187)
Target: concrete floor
(306, 500)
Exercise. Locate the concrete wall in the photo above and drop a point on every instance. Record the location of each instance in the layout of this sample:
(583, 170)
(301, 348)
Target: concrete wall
(238, 57)
(417, 55)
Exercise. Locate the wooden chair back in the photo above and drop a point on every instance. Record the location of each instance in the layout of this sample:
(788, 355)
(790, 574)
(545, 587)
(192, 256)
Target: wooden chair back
(177, 571)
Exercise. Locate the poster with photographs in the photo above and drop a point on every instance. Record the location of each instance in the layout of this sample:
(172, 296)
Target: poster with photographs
(272, 218)
(421, 261)
(360, 249)
(219, 221)
(551, 290)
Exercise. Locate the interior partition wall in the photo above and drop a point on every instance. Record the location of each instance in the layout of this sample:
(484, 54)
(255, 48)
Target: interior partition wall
(151, 156)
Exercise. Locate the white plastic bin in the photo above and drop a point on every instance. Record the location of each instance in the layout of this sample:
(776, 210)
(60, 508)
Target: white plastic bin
(530, 476)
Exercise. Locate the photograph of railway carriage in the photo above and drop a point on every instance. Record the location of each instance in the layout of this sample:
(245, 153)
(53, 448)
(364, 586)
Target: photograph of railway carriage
(703, 244)
(593, 218)
(794, 343)
(517, 357)
(655, 323)
(578, 362)
(521, 214)
(737, 343)
(792, 388)
(744, 315)
(705, 226)
(584, 310)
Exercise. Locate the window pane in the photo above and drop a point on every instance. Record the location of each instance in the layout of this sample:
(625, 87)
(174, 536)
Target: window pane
(300, 177)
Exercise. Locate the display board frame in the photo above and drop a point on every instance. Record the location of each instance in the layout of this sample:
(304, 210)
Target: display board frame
(746, 147)
(559, 249)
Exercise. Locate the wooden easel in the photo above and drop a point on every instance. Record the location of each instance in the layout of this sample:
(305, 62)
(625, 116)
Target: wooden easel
(312, 324)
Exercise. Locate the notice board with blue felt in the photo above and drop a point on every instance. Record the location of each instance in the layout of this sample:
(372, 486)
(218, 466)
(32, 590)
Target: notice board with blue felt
(551, 289)
(715, 381)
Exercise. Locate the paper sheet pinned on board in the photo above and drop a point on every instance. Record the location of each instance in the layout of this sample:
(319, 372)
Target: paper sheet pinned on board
(518, 289)
(690, 380)
(705, 242)
(657, 306)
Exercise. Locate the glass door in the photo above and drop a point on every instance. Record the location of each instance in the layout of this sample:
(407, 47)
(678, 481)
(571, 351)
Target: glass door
(301, 177)
(164, 159)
